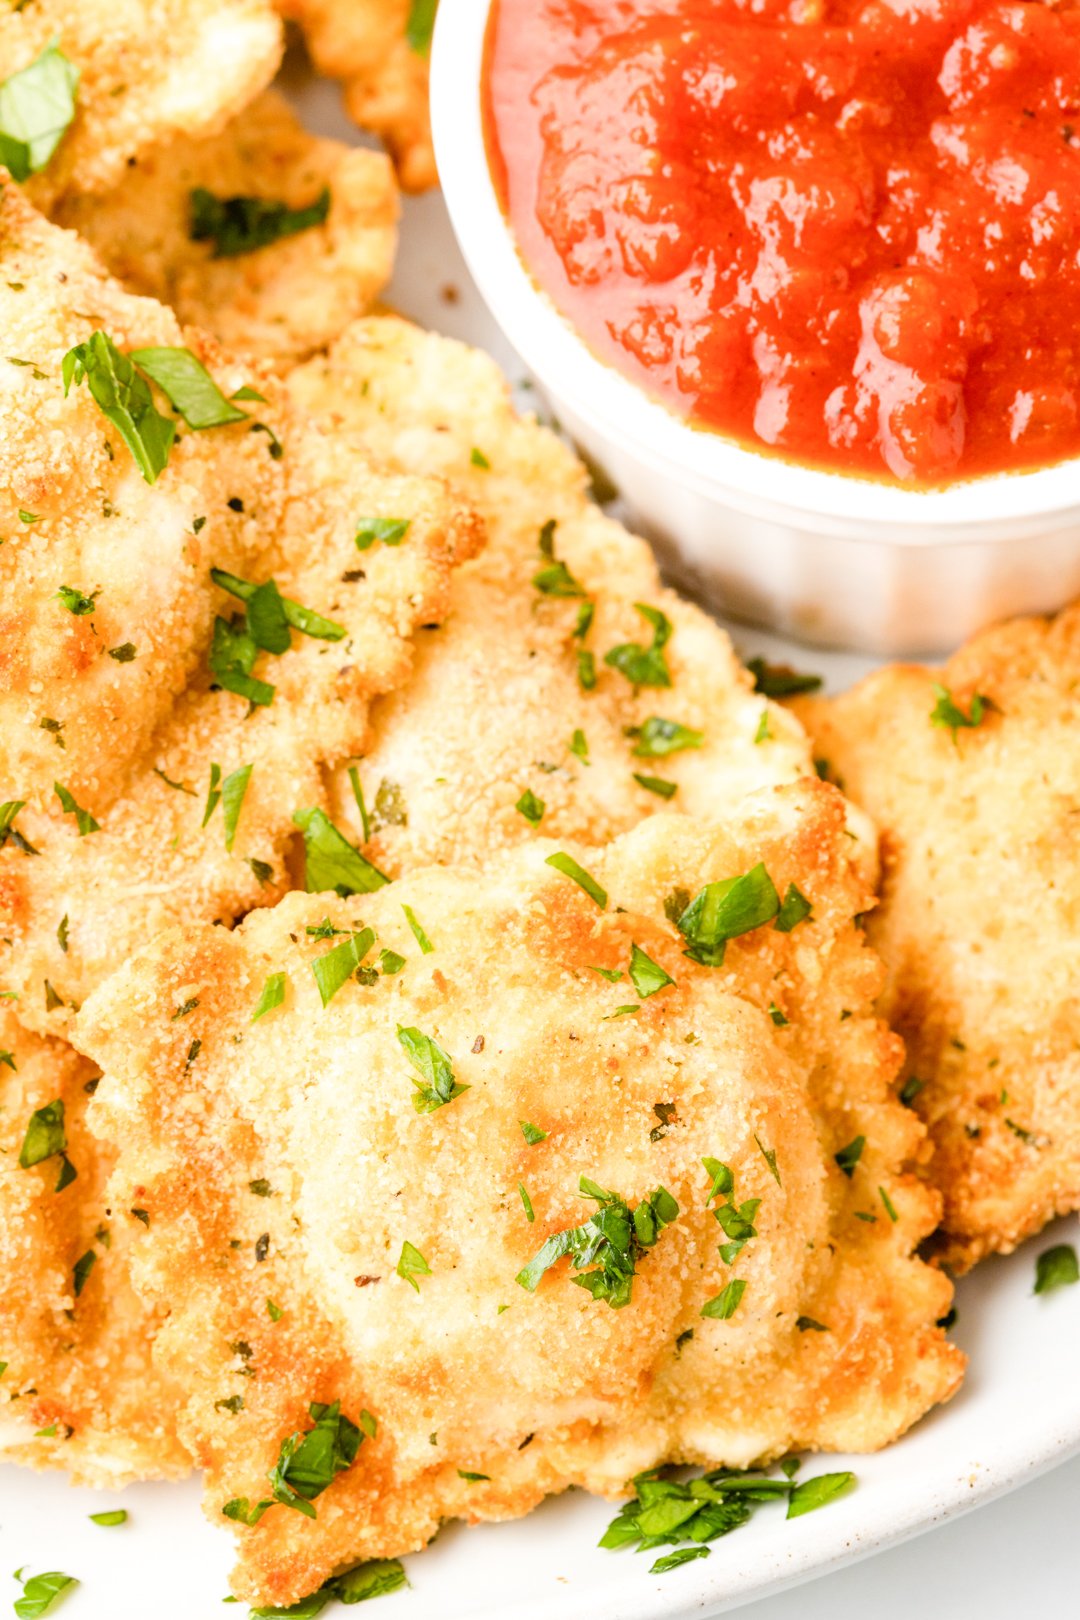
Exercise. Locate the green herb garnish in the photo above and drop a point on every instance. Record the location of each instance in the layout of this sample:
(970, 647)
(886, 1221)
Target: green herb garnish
(239, 225)
(1056, 1268)
(724, 910)
(123, 397)
(337, 965)
(646, 975)
(271, 996)
(36, 106)
(84, 821)
(411, 1265)
(437, 1085)
(644, 666)
(612, 1242)
(569, 868)
(657, 738)
(331, 862)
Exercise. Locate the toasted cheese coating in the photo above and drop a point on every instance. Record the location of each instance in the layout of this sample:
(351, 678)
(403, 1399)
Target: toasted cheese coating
(285, 1166)
(979, 914)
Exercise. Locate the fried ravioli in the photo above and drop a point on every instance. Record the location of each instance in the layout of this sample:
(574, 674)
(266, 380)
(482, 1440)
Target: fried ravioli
(366, 44)
(202, 824)
(81, 691)
(339, 1192)
(979, 909)
(79, 1389)
(282, 300)
(496, 737)
(149, 71)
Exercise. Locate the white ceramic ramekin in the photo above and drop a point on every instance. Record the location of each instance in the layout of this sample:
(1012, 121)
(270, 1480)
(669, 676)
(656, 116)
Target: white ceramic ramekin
(839, 561)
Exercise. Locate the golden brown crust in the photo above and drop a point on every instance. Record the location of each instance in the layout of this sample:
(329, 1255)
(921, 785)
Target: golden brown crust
(317, 1104)
(86, 520)
(441, 785)
(363, 43)
(150, 70)
(153, 861)
(281, 302)
(79, 1389)
(978, 916)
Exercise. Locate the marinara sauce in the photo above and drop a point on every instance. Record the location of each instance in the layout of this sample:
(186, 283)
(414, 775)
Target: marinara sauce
(844, 230)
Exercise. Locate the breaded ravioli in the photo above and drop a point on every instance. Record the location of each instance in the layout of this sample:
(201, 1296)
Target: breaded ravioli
(269, 237)
(148, 71)
(106, 602)
(79, 1389)
(379, 50)
(499, 1187)
(972, 774)
(567, 694)
(200, 827)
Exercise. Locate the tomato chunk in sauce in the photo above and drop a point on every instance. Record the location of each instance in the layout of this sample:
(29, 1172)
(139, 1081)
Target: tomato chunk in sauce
(846, 231)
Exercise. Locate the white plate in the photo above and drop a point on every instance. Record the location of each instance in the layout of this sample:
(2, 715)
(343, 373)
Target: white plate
(1017, 1414)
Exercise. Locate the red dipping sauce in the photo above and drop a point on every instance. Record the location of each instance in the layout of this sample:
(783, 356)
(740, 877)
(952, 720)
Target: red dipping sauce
(847, 231)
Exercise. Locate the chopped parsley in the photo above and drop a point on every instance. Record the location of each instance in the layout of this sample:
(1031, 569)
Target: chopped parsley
(110, 1517)
(724, 910)
(437, 1085)
(569, 868)
(231, 797)
(390, 963)
(763, 732)
(36, 106)
(75, 602)
(411, 1265)
(1056, 1268)
(777, 1015)
(726, 1302)
(611, 1242)
(646, 975)
(358, 795)
(579, 746)
(554, 578)
(233, 652)
(307, 1463)
(946, 712)
(807, 1324)
(40, 1593)
(848, 1157)
(331, 970)
(644, 666)
(84, 821)
(769, 1155)
(477, 458)
(46, 1135)
(780, 680)
(84, 1265)
(736, 1220)
(657, 784)
(530, 1214)
(331, 862)
(890, 1207)
(657, 738)
(530, 807)
(795, 909)
(693, 1512)
(270, 616)
(910, 1090)
(123, 397)
(188, 387)
(237, 225)
(124, 654)
(426, 947)
(272, 995)
(391, 531)
(420, 25)
(531, 1133)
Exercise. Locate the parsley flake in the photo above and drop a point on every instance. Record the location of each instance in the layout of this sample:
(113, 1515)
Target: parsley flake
(657, 738)
(239, 225)
(123, 397)
(426, 947)
(724, 910)
(420, 25)
(780, 680)
(530, 807)
(1056, 1268)
(411, 1265)
(615, 1238)
(646, 975)
(109, 1518)
(848, 1157)
(331, 862)
(946, 712)
(76, 602)
(435, 1068)
(391, 531)
(531, 1133)
(36, 106)
(272, 995)
(658, 785)
(795, 909)
(84, 821)
(726, 1302)
(337, 965)
(644, 666)
(569, 868)
(40, 1593)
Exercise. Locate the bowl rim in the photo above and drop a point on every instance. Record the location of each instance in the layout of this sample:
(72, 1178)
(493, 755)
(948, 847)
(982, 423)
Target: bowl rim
(990, 507)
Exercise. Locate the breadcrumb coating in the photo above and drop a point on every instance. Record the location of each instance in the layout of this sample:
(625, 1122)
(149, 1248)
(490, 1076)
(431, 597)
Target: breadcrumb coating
(149, 71)
(282, 301)
(495, 707)
(79, 1390)
(284, 1168)
(977, 921)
